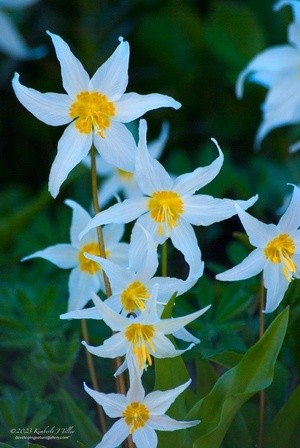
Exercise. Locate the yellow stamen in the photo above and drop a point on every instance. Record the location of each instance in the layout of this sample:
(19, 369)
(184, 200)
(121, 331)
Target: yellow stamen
(140, 336)
(125, 176)
(134, 297)
(87, 265)
(136, 415)
(281, 250)
(165, 208)
(92, 110)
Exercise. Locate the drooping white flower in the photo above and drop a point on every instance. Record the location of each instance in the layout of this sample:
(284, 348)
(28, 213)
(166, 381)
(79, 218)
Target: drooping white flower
(139, 415)
(277, 252)
(96, 109)
(143, 336)
(11, 42)
(131, 286)
(169, 207)
(117, 180)
(86, 277)
(278, 69)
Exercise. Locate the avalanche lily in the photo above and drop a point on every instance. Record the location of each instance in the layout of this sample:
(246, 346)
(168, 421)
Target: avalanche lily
(277, 252)
(278, 69)
(11, 42)
(86, 277)
(117, 180)
(96, 110)
(139, 415)
(143, 336)
(169, 207)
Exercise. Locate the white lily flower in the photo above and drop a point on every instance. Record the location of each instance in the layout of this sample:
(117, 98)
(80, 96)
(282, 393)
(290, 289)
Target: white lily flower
(139, 415)
(277, 252)
(86, 277)
(123, 181)
(169, 206)
(96, 109)
(278, 69)
(11, 42)
(143, 336)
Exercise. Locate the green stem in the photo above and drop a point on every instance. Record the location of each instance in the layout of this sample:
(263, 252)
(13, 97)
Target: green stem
(120, 380)
(164, 259)
(262, 395)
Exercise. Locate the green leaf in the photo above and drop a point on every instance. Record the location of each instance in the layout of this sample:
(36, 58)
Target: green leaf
(284, 430)
(85, 429)
(253, 373)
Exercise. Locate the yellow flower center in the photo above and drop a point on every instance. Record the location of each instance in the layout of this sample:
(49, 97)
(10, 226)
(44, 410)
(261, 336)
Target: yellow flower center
(165, 208)
(92, 110)
(125, 176)
(87, 265)
(136, 415)
(281, 250)
(134, 297)
(140, 336)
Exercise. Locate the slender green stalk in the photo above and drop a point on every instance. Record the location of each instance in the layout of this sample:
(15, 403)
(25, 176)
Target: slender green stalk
(164, 259)
(92, 372)
(120, 381)
(262, 395)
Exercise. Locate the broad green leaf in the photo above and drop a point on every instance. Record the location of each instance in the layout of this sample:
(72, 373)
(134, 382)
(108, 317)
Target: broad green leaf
(254, 372)
(284, 431)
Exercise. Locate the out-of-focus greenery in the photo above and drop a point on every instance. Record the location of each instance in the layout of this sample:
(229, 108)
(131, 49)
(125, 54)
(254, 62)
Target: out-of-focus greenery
(193, 51)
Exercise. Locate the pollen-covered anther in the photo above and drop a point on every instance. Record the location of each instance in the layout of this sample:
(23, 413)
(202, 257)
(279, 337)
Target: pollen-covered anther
(92, 111)
(281, 250)
(136, 415)
(140, 336)
(134, 297)
(87, 265)
(165, 208)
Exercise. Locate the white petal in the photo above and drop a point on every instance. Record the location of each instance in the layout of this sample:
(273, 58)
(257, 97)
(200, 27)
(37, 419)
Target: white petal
(109, 188)
(205, 210)
(290, 221)
(110, 317)
(123, 212)
(142, 247)
(258, 232)
(113, 404)
(72, 148)
(80, 219)
(159, 401)
(187, 184)
(164, 347)
(184, 239)
(118, 147)
(166, 423)
(115, 435)
(169, 285)
(294, 147)
(51, 108)
(81, 288)
(13, 44)
(276, 285)
(112, 233)
(62, 255)
(185, 336)
(168, 326)
(145, 437)
(74, 77)
(275, 60)
(118, 253)
(112, 347)
(250, 266)
(86, 313)
(119, 277)
(157, 146)
(132, 105)
(111, 78)
(150, 175)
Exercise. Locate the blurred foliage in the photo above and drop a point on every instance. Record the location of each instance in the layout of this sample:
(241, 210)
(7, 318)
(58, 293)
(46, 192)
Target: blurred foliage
(192, 50)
